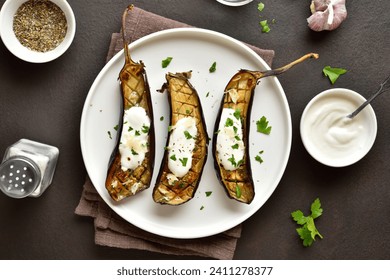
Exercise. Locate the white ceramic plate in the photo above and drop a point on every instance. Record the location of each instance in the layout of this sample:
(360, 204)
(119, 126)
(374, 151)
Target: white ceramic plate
(196, 50)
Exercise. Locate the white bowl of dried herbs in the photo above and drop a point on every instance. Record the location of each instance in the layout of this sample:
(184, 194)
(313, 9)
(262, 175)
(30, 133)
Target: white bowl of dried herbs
(37, 31)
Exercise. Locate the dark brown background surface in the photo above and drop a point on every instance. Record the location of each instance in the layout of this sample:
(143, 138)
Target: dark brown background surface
(43, 102)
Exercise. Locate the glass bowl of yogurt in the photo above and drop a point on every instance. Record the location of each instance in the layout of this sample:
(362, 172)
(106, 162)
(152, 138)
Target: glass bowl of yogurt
(329, 135)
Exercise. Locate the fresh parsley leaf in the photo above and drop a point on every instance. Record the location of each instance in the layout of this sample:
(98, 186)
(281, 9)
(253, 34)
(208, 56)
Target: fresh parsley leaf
(308, 231)
(173, 157)
(213, 67)
(262, 126)
(137, 133)
(134, 152)
(235, 146)
(116, 127)
(316, 209)
(109, 134)
(201, 208)
(208, 193)
(305, 234)
(161, 118)
(166, 62)
(299, 217)
(333, 73)
(312, 228)
(260, 6)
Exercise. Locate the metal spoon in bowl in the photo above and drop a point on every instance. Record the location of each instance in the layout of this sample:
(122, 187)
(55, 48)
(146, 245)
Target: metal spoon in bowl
(384, 86)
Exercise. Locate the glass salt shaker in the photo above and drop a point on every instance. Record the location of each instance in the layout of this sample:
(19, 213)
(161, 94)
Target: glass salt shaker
(27, 168)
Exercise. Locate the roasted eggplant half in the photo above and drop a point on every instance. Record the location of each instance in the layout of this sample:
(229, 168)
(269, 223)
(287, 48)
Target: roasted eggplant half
(131, 165)
(187, 143)
(231, 132)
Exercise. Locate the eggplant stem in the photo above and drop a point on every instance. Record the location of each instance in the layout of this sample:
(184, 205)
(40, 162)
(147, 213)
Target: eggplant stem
(125, 41)
(278, 71)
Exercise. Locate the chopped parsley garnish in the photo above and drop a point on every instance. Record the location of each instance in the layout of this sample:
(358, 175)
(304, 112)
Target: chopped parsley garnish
(134, 153)
(258, 157)
(161, 118)
(137, 133)
(207, 94)
(183, 161)
(264, 23)
(238, 191)
(262, 126)
(208, 193)
(145, 129)
(235, 146)
(116, 127)
(202, 207)
(173, 157)
(237, 114)
(188, 112)
(170, 128)
(233, 161)
(213, 67)
(187, 135)
(333, 73)
(229, 122)
(166, 62)
(264, 26)
(308, 231)
(235, 129)
(260, 6)
(130, 128)
(109, 134)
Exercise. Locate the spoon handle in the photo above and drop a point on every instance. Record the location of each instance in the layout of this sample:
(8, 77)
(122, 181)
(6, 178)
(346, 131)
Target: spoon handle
(384, 86)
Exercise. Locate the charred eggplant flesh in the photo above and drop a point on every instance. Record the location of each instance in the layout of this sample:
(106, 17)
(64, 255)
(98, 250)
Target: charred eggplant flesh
(131, 166)
(186, 150)
(231, 132)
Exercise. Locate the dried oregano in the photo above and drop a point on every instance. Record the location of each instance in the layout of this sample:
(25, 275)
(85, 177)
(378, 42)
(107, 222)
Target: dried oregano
(40, 25)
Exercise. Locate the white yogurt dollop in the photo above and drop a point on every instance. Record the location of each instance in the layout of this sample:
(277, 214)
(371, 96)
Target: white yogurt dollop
(230, 145)
(134, 139)
(329, 135)
(180, 147)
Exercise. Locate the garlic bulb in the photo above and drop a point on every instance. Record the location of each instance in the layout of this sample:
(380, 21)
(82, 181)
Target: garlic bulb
(327, 14)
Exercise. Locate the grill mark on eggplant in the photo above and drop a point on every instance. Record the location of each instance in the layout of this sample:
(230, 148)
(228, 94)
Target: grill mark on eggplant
(238, 183)
(184, 102)
(134, 92)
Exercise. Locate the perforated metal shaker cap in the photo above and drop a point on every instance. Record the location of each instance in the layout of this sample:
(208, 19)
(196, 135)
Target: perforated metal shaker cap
(19, 176)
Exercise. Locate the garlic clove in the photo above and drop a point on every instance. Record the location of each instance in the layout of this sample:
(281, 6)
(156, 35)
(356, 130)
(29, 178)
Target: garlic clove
(326, 14)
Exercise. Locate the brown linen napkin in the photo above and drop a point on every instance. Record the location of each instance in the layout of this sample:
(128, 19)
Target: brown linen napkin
(110, 229)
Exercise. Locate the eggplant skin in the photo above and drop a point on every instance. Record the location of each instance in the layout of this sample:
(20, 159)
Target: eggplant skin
(238, 183)
(184, 102)
(135, 92)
